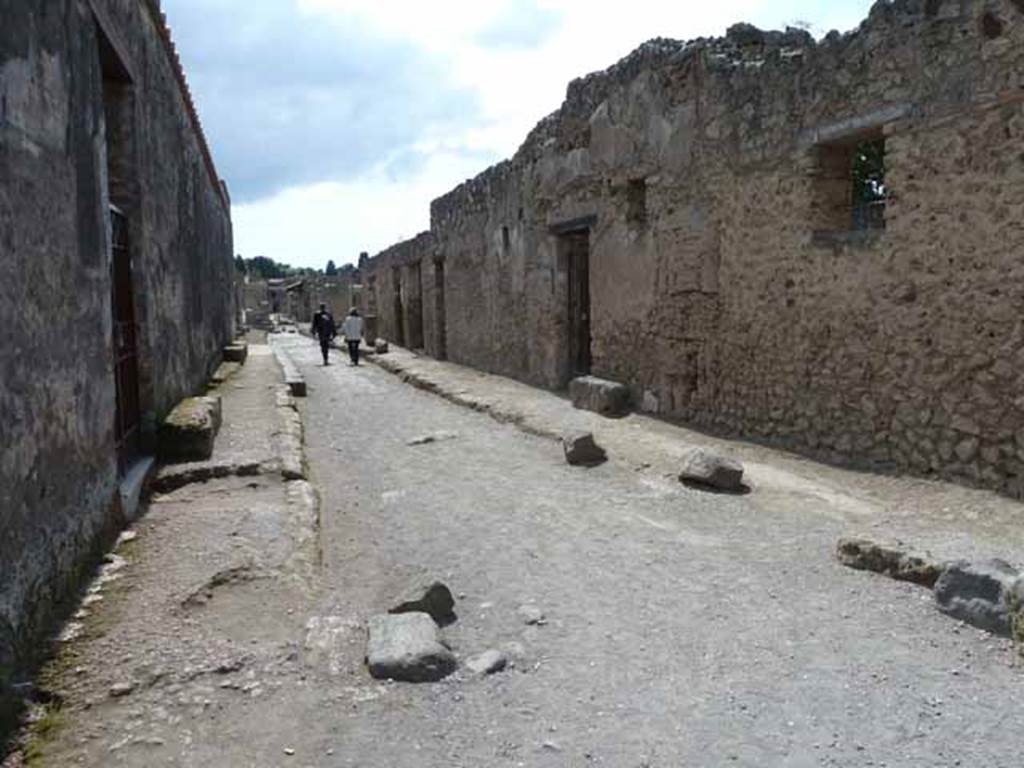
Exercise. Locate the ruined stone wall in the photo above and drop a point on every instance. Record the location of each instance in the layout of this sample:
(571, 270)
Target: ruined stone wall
(58, 471)
(724, 289)
(399, 292)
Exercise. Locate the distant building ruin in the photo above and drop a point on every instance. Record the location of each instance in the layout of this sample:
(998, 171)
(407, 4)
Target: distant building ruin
(817, 245)
(117, 297)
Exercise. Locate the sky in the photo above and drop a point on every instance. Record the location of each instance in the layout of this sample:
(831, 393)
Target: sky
(336, 122)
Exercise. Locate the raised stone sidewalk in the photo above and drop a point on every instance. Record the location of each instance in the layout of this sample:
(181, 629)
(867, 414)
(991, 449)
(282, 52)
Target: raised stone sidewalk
(200, 594)
(950, 521)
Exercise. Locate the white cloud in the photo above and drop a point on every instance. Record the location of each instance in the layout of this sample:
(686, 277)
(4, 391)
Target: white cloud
(307, 226)
(518, 75)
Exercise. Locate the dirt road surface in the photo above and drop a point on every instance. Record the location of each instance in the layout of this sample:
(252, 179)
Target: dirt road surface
(681, 628)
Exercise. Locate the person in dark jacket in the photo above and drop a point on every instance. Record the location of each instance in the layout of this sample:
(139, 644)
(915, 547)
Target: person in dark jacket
(324, 329)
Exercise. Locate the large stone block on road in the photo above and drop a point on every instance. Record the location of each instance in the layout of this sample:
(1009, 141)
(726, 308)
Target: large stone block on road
(406, 647)
(581, 450)
(980, 594)
(607, 398)
(712, 470)
(189, 431)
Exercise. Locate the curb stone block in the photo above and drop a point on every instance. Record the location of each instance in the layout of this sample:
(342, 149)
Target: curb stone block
(712, 470)
(236, 353)
(607, 398)
(867, 555)
(189, 431)
(980, 594)
(224, 372)
(581, 450)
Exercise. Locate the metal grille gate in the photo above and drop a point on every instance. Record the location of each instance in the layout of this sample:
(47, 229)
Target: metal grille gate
(126, 361)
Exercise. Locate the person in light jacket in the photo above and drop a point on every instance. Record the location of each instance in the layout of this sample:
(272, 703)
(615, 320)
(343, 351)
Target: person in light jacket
(352, 330)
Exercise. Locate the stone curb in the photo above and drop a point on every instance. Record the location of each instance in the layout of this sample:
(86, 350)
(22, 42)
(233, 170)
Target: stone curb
(391, 365)
(304, 522)
(290, 436)
(171, 477)
(224, 372)
(296, 383)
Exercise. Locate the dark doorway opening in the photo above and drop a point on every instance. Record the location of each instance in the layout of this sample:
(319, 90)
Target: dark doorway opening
(126, 356)
(415, 307)
(396, 283)
(118, 113)
(440, 314)
(576, 246)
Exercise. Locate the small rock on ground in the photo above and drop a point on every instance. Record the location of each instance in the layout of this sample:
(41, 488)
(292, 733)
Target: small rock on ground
(581, 450)
(406, 647)
(117, 690)
(980, 594)
(709, 469)
(531, 614)
(436, 600)
(487, 663)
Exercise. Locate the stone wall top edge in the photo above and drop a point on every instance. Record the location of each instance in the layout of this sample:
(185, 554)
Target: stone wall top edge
(159, 20)
(405, 252)
(717, 57)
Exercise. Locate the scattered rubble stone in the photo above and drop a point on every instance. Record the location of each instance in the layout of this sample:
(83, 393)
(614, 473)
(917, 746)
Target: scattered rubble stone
(436, 601)
(707, 468)
(532, 615)
(867, 555)
(435, 437)
(406, 647)
(607, 398)
(581, 450)
(188, 432)
(119, 690)
(380, 347)
(980, 594)
(487, 663)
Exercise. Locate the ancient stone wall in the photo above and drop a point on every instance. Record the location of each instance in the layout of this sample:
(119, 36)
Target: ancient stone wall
(92, 113)
(729, 285)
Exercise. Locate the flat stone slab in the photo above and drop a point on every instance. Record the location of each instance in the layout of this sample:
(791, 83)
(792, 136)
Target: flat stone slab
(188, 432)
(607, 398)
(712, 470)
(581, 450)
(406, 647)
(224, 372)
(867, 555)
(981, 594)
(236, 353)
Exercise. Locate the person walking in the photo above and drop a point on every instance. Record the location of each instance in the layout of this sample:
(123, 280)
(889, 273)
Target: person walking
(352, 330)
(324, 329)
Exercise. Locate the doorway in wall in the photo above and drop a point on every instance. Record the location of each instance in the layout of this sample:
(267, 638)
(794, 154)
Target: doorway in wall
(415, 308)
(576, 247)
(118, 112)
(127, 429)
(440, 316)
(399, 310)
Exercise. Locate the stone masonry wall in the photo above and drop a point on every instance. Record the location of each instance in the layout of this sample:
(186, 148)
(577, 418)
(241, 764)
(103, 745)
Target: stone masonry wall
(724, 289)
(58, 469)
